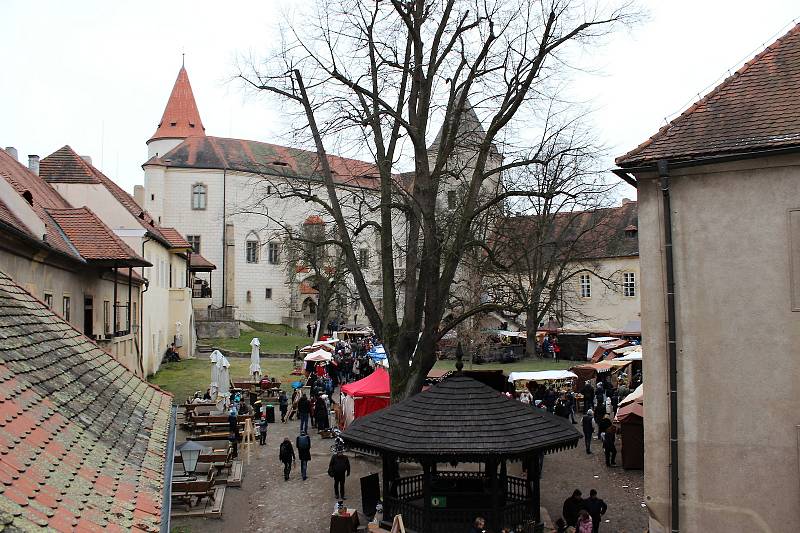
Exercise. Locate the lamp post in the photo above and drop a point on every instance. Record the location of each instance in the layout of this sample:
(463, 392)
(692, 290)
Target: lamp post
(190, 453)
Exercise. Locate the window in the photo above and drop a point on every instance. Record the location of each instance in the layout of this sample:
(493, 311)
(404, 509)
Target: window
(268, 293)
(269, 189)
(629, 284)
(194, 240)
(249, 297)
(251, 251)
(451, 199)
(135, 315)
(107, 317)
(48, 300)
(273, 253)
(117, 317)
(198, 196)
(152, 197)
(66, 307)
(586, 286)
(363, 258)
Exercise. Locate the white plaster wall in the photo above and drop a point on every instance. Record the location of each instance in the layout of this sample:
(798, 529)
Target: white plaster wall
(737, 347)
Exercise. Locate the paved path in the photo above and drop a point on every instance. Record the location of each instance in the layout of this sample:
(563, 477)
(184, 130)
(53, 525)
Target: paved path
(267, 503)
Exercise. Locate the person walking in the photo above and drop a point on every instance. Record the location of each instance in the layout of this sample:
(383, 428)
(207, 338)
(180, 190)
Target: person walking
(609, 446)
(584, 524)
(295, 398)
(308, 329)
(303, 412)
(588, 396)
(588, 430)
(321, 413)
(597, 508)
(262, 429)
(572, 506)
(286, 456)
(599, 394)
(339, 469)
(303, 443)
(283, 404)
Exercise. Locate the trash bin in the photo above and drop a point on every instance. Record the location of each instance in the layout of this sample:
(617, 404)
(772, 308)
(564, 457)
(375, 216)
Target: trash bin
(270, 410)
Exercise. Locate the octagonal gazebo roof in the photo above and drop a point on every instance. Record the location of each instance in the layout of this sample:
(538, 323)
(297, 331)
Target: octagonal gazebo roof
(460, 418)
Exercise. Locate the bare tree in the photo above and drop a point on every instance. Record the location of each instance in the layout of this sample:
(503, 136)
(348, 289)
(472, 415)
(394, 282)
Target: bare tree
(379, 75)
(536, 255)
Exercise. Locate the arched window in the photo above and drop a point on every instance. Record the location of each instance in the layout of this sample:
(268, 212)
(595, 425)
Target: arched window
(252, 248)
(198, 196)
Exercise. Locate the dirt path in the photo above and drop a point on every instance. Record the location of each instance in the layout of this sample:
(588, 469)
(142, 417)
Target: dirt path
(267, 503)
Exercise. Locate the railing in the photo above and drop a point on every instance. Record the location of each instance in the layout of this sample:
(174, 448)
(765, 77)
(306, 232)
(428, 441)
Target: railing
(408, 488)
(201, 292)
(215, 314)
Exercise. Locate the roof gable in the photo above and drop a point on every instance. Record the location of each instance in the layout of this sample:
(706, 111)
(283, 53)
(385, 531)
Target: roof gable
(83, 440)
(181, 117)
(754, 109)
(66, 166)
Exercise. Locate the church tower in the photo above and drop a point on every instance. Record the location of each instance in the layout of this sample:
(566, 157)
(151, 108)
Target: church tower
(181, 119)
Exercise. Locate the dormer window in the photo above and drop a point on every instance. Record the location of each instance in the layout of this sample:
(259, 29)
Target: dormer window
(173, 123)
(198, 196)
(28, 197)
(280, 163)
(191, 125)
(631, 231)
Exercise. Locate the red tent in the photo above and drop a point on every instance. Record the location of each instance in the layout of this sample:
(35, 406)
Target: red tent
(631, 420)
(369, 394)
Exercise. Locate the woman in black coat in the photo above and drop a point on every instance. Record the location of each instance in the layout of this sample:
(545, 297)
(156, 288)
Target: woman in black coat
(321, 413)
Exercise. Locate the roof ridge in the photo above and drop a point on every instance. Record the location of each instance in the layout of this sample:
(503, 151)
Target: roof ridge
(724, 84)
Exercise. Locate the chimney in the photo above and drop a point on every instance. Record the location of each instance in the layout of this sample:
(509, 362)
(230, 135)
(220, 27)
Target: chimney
(33, 164)
(87, 158)
(138, 194)
(12, 152)
(626, 201)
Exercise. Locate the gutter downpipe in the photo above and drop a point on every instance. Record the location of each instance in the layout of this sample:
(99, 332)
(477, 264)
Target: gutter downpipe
(166, 506)
(141, 310)
(663, 172)
(224, 237)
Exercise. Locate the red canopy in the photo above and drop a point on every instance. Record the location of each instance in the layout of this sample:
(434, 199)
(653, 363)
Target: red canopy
(631, 411)
(369, 394)
(376, 384)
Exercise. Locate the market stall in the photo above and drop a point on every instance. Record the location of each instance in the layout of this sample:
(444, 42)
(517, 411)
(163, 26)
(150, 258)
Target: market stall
(593, 342)
(605, 350)
(630, 418)
(366, 395)
(558, 379)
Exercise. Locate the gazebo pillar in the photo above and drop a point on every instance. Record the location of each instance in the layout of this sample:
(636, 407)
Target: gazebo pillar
(534, 476)
(503, 483)
(388, 474)
(491, 469)
(427, 481)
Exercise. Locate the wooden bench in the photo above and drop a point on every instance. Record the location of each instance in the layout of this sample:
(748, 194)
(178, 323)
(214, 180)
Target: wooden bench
(186, 489)
(235, 476)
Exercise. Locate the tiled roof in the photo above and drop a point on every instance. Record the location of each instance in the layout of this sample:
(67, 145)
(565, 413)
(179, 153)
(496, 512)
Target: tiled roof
(200, 263)
(314, 220)
(464, 419)
(264, 158)
(595, 234)
(754, 109)
(93, 239)
(127, 201)
(174, 237)
(83, 441)
(66, 166)
(43, 197)
(181, 117)
(305, 288)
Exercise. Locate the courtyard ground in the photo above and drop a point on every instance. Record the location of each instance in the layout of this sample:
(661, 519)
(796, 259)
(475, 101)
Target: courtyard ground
(267, 503)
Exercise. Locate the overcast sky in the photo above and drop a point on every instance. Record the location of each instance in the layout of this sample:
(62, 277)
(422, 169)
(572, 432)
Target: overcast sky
(97, 74)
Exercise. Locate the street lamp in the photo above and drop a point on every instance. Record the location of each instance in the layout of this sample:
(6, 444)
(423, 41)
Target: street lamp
(190, 453)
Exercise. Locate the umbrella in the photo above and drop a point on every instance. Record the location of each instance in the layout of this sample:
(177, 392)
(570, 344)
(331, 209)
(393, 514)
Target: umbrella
(224, 378)
(255, 364)
(215, 356)
(319, 355)
(296, 384)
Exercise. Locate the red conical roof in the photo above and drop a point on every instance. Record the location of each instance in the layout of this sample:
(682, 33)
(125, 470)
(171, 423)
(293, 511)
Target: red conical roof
(181, 118)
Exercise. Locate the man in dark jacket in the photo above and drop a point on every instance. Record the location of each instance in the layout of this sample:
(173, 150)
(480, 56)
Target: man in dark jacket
(286, 456)
(283, 404)
(609, 446)
(303, 411)
(339, 469)
(321, 413)
(303, 443)
(588, 430)
(588, 396)
(597, 508)
(573, 506)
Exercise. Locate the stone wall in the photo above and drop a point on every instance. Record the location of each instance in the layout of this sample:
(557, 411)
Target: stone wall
(227, 329)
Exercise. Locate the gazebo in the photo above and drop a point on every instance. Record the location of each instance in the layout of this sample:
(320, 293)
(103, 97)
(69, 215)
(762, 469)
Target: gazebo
(458, 421)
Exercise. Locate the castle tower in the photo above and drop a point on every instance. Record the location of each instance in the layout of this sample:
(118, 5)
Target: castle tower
(181, 119)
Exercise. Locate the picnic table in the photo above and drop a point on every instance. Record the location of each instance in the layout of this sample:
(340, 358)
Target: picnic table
(186, 488)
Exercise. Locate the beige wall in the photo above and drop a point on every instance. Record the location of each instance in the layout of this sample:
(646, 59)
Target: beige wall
(738, 341)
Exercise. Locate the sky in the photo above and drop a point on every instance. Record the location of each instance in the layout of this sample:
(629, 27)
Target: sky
(96, 74)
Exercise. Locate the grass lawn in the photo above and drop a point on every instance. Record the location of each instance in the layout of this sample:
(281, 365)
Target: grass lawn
(275, 339)
(182, 379)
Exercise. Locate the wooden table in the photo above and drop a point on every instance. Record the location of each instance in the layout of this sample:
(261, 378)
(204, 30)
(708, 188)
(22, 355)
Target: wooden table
(344, 524)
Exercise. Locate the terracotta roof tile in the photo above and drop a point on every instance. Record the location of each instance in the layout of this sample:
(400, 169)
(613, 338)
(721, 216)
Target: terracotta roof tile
(72, 418)
(66, 166)
(264, 158)
(93, 239)
(754, 109)
(174, 237)
(314, 220)
(305, 288)
(181, 117)
(200, 263)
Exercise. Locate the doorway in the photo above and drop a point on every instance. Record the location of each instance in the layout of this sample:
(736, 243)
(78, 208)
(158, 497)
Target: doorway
(88, 317)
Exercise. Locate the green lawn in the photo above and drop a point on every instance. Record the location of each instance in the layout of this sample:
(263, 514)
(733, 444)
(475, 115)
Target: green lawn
(182, 379)
(275, 339)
